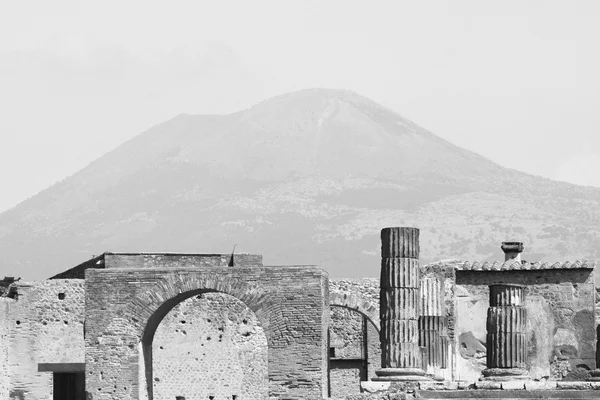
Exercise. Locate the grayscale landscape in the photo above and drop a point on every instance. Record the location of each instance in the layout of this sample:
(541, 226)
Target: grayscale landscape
(299, 200)
(308, 177)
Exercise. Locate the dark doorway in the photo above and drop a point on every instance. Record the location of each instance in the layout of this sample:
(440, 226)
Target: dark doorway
(69, 386)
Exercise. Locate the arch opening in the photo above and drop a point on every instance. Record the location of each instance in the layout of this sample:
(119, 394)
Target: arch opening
(205, 343)
(354, 350)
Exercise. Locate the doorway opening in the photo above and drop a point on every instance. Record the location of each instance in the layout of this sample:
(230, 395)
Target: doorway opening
(68, 386)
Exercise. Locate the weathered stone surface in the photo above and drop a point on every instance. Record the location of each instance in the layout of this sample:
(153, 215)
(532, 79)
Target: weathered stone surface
(507, 295)
(435, 385)
(290, 304)
(42, 324)
(398, 304)
(513, 385)
(372, 387)
(431, 296)
(506, 350)
(401, 304)
(558, 302)
(514, 265)
(436, 347)
(488, 385)
(573, 385)
(540, 385)
(210, 345)
(399, 273)
(161, 260)
(400, 243)
(506, 340)
(462, 385)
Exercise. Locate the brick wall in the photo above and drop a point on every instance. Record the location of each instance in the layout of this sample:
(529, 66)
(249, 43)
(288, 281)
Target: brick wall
(44, 324)
(160, 260)
(290, 304)
(210, 345)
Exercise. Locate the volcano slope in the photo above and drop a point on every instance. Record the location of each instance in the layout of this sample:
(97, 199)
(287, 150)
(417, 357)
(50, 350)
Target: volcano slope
(308, 177)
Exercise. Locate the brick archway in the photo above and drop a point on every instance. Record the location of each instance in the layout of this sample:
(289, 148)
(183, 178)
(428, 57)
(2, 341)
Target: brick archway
(357, 303)
(176, 290)
(125, 305)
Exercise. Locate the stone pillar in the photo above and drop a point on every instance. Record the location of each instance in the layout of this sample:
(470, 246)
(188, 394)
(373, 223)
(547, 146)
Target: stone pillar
(512, 250)
(506, 339)
(433, 335)
(398, 303)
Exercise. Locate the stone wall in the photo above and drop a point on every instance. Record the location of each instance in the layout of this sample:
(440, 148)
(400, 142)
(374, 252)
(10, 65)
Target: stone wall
(5, 323)
(561, 329)
(42, 324)
(210, 345)
(160, 260)
(347, 357)
(123, 306)
(597, 327)
(355, 332)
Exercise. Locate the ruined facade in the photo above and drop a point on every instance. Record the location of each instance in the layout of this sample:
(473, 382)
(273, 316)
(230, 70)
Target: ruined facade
(177, 326)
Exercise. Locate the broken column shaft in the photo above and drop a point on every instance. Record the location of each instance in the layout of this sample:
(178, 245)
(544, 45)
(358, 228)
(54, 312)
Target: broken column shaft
(432, 323)
(398, 302)
(506, 339)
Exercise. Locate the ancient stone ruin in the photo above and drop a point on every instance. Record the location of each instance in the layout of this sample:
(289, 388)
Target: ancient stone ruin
(196, 326)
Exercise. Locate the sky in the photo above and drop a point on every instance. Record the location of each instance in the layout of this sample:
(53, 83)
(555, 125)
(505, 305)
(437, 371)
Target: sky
(515, 81)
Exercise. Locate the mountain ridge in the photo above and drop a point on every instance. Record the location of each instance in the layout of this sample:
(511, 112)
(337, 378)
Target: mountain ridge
(304, 177)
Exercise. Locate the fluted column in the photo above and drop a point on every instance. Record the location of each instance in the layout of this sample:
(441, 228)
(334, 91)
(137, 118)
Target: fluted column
(506, 339)
(433, 335)
(398, 303)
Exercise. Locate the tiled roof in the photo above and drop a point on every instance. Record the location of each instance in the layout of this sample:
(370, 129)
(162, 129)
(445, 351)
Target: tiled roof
(517, 265)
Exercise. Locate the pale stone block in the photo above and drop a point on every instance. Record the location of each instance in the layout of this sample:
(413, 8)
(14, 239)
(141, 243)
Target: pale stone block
(488, 385)
(513, 385)
(540, 385)
(574, 385)
(372, 387)
(438, 385)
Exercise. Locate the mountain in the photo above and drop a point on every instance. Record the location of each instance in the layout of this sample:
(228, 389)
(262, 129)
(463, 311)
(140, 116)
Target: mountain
(308, 177)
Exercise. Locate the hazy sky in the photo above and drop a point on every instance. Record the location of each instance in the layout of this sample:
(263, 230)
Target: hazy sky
(516, 81)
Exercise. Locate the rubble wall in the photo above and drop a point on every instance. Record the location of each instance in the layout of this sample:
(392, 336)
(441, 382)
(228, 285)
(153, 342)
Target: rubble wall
(355, 330)
(597, 324)
(5, 322)
(210, 345)
(45, 325)
(561, 323)
(347, 365)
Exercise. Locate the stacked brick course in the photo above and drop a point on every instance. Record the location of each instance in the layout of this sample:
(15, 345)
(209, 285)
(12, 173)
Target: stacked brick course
(290, 303)
(210, 345)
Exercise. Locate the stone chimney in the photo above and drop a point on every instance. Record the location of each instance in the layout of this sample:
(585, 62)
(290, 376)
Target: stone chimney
(512, 250)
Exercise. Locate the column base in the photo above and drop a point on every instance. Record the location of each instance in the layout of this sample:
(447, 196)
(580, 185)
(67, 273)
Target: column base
(504, 374)
(400, 374)
(594, 375)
